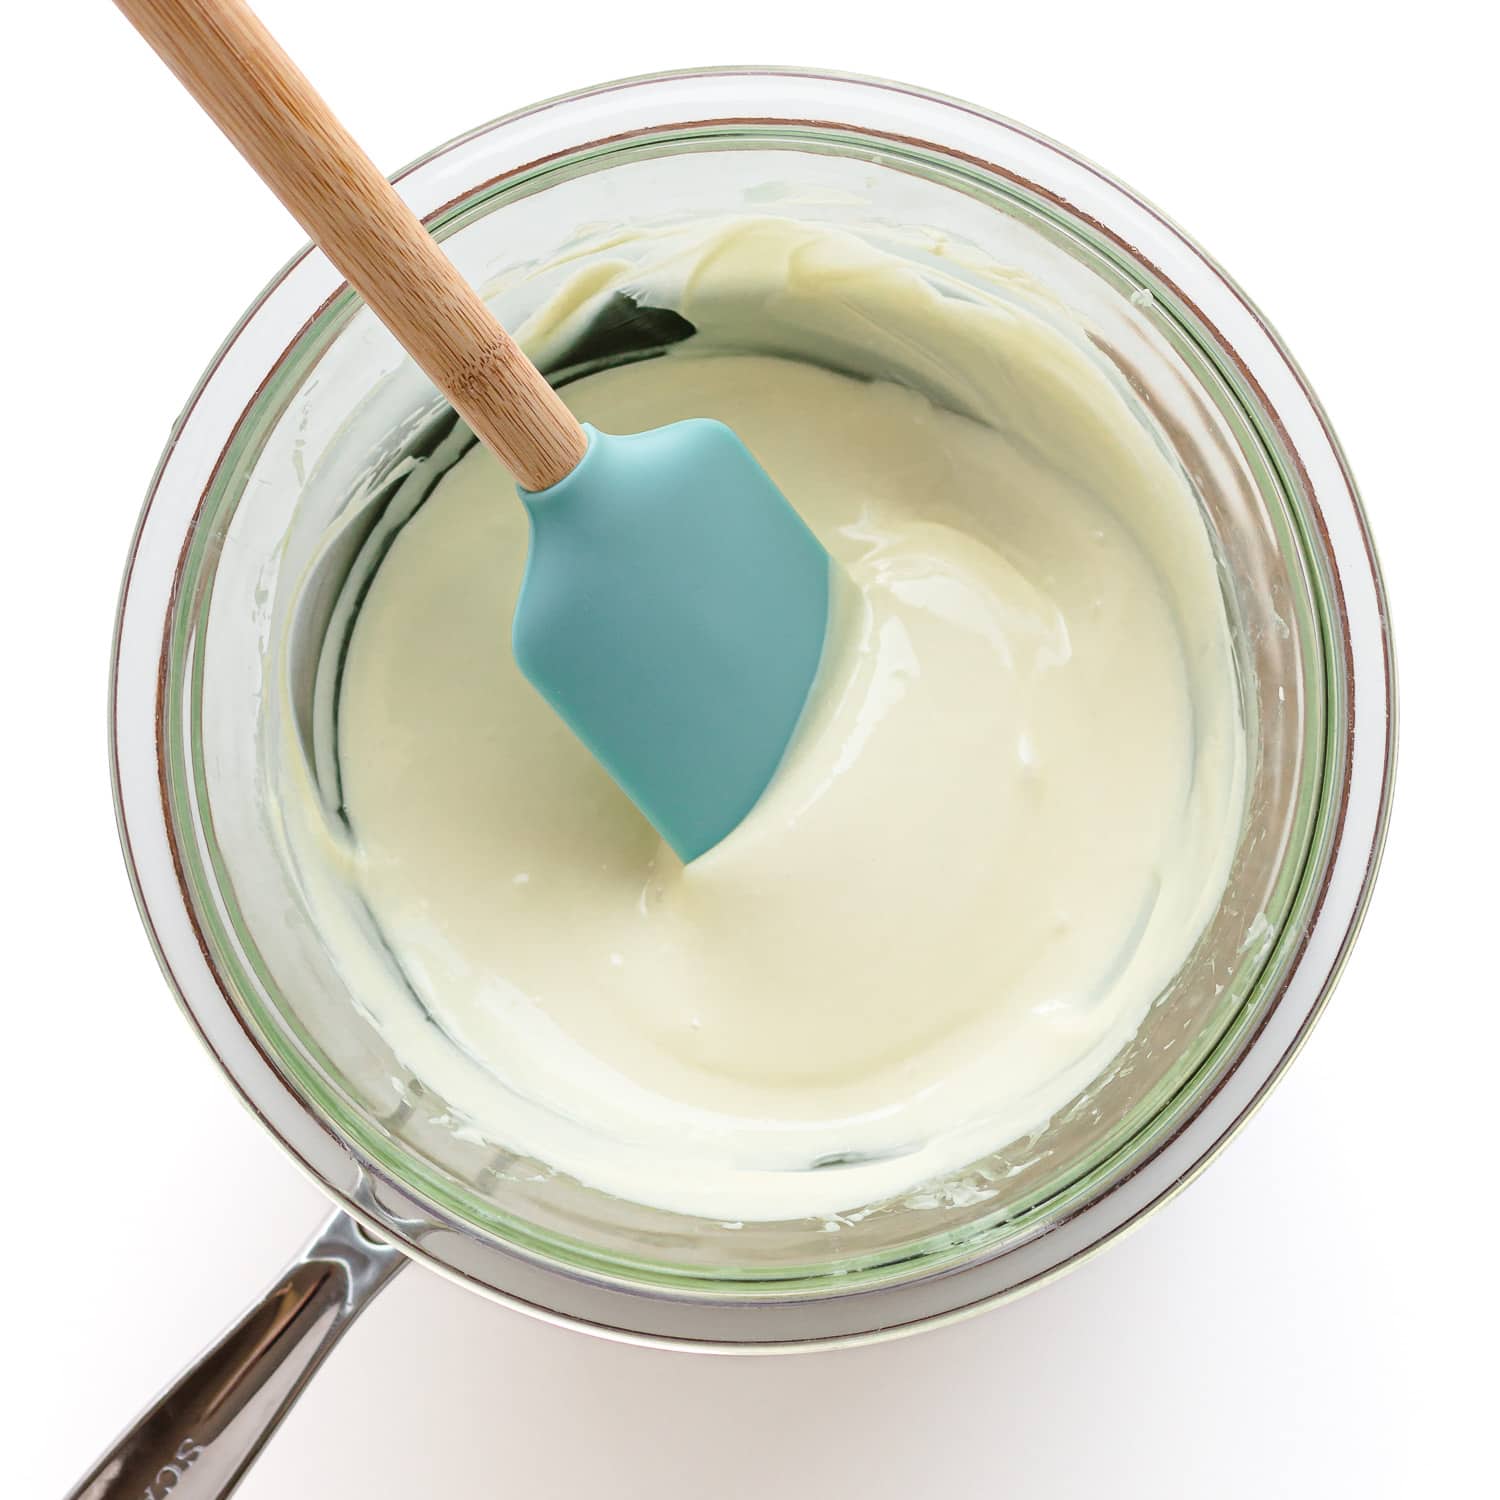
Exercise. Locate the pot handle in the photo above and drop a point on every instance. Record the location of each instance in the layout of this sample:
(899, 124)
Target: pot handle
(196, 1441)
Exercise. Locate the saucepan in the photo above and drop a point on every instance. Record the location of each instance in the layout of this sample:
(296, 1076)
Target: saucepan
(304, 424)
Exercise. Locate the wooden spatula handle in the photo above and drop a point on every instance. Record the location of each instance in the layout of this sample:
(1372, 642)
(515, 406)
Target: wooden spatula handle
(232, 65)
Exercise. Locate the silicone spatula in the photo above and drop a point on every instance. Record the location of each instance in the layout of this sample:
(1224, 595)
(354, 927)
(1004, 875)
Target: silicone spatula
(675, 605)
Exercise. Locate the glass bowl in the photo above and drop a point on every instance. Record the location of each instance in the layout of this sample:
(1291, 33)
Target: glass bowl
(304, 425)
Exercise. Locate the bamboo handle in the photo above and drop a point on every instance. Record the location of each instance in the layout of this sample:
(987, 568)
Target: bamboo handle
(233, 67)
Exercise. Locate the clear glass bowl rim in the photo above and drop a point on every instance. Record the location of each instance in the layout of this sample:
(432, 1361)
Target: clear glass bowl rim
(272, 327)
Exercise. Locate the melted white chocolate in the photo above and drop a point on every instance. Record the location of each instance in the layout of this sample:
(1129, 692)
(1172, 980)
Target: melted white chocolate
(1003, 825)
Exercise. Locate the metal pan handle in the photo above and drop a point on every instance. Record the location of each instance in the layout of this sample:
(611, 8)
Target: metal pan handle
(196, 1441)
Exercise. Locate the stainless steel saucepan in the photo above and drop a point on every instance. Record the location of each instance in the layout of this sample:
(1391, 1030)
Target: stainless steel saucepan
(305, 424)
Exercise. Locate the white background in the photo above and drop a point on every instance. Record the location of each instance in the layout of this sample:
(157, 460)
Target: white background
(1315, 1317)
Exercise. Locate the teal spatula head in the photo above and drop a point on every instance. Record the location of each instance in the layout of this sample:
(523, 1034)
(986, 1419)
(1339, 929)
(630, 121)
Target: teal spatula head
(673, 612)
